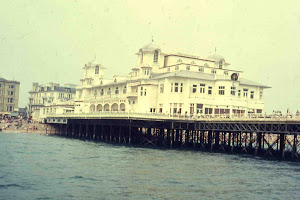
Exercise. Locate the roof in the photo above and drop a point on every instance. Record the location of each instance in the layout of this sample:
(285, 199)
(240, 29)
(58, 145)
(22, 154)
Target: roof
(151, 47)
(215, 57)
(252, 83)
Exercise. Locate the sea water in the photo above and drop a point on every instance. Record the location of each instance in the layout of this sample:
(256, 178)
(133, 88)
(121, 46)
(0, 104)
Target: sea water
(34, 166)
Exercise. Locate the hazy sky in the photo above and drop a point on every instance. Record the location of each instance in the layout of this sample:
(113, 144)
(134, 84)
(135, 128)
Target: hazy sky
(50, 41)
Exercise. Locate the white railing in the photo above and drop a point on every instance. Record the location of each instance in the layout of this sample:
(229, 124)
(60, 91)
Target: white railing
(162, 116)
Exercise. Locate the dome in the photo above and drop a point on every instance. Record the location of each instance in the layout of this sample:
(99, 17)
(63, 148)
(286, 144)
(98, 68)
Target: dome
(215, 57)
(150, 47)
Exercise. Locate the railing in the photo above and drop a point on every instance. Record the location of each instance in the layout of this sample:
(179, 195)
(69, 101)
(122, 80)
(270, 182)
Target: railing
(163, 116)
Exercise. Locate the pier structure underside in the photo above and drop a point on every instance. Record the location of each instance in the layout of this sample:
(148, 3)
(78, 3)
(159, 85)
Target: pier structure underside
(277, 140)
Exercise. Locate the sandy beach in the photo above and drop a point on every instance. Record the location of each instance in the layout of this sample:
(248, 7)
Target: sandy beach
(22, 126)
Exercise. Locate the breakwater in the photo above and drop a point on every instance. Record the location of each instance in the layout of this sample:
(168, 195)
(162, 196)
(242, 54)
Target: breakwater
(265, 138)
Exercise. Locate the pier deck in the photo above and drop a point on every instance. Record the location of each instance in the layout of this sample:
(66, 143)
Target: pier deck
(276, 137)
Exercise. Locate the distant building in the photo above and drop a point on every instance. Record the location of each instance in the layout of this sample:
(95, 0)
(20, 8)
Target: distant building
(9, 96)
(44, 98)
(170, 83)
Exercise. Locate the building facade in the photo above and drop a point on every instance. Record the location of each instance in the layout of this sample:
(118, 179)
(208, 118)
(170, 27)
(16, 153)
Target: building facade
(171, 83)
(9, 96)
(44, 98)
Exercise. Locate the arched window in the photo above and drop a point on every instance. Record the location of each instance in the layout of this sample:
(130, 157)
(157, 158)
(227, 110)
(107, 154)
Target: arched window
(220, 64)
(97, 69)
(155, 59)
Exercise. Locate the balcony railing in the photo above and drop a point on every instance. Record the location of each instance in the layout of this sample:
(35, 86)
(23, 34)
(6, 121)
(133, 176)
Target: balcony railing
(163, 116)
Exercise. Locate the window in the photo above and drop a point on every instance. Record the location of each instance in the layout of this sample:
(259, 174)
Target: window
(176, 87)
(221, 64)
(201, 69)
(202, 88)
(260, 95)
(239, 93)
(209, 90)
(12, 86)
(232, 92)
(252, 95)
(177, 67)
(192, 108)
(155, 59)
(142, 91)
(194, 89)
(8, 100)
(160, 108)
(0, 85)
(221, 90)
(125, 89)
(161, 88)
(171, 87)
(10, 108)
(101, 92)
(213, 71)
(181, 87)
(187, 67)
(95, 93)
(245, 91)
(108, 91)
(11, 100)
(199, 108)
(117, 90)
(145, 92)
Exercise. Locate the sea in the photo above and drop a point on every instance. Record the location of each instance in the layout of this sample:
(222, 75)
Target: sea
(34, 166)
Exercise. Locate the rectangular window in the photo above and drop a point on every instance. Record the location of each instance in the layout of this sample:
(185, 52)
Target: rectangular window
(11, 100)
(171, 87)
(145, 92)
(252, 95)
(209, 90)
(199, 108)
(141, 91)
(245, 92)
(8, 100)
(192, 107)
(187, 67)
(101, 92)
(160, 108)
(239, 93)
(202, 88)
(176, 87)
(232, 92)
(260, 95)
(221, 90)
(181, 87)
(108, 91)
(213, 71)
(194, 90)
(12, 86)
(201, 69)
(177, 67)
(124, 90)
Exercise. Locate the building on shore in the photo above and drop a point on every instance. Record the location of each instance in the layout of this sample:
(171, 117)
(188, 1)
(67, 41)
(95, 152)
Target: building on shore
(170, 83)
(46, 98)
(9, 96)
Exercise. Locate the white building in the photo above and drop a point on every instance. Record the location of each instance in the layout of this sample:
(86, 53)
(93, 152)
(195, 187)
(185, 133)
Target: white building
(170, 83)
(50, 98)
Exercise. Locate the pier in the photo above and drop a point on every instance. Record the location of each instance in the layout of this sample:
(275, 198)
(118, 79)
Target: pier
(272, 138)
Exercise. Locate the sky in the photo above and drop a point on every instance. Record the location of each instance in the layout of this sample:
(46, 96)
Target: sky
(50, 41)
